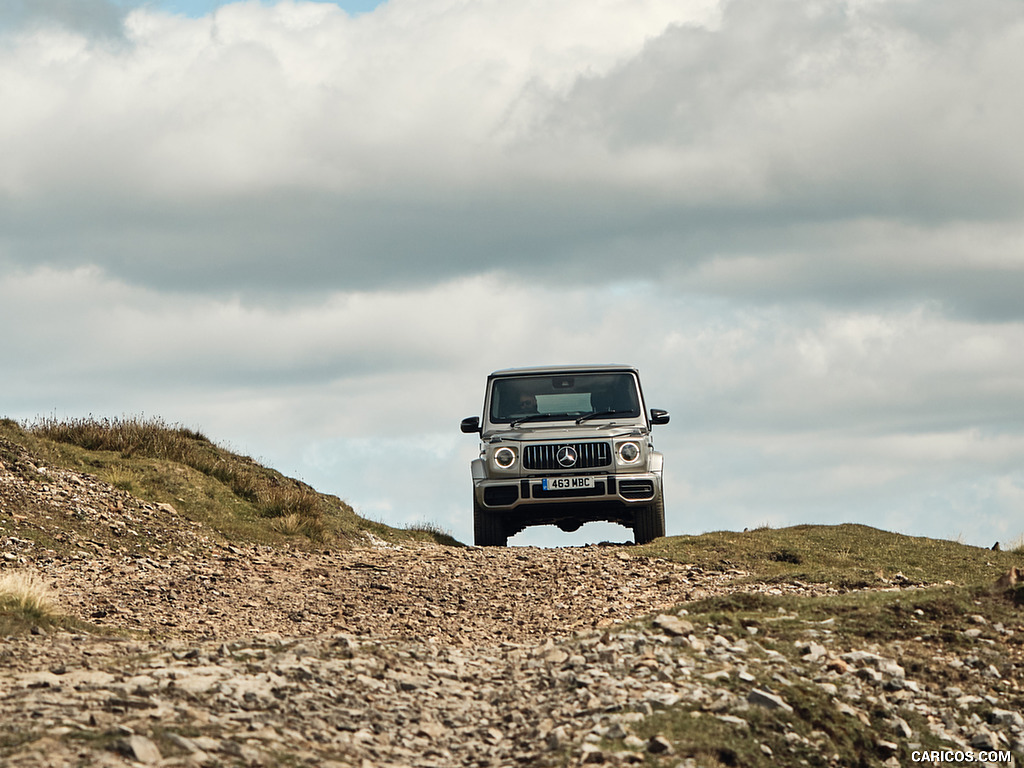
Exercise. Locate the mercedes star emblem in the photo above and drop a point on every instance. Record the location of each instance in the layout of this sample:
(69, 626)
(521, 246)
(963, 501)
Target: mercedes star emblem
(566, 456)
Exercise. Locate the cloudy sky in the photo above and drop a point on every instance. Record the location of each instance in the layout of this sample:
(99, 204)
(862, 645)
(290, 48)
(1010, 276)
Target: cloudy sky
(310, 229)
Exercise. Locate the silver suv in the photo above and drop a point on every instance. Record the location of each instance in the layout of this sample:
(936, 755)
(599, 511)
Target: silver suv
(566, 446)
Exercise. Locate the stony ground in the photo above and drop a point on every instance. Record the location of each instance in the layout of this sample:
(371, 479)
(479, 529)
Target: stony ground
(424, 655)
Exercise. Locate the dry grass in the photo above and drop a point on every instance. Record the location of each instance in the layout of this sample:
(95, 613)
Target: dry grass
(430, 531)
(297, 525)
(272, 495)
(154, 439)
(26, 596)
(232, 494)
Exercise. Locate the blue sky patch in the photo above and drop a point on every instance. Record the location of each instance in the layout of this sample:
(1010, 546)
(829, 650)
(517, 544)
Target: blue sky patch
(197, 8)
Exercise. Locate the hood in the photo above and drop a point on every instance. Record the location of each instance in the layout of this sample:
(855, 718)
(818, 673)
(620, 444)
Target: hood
(562, 434)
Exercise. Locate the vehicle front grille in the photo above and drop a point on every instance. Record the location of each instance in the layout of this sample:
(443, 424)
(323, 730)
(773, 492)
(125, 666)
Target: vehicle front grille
(588, 455)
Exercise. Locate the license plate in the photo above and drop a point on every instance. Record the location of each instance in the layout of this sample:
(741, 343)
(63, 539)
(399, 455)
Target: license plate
(566, 483)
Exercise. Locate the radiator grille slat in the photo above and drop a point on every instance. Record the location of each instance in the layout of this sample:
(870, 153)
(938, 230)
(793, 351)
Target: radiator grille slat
(589, 455)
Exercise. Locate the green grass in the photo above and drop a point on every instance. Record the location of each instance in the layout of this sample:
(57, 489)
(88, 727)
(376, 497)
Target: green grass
(429, 531)
(163, 463)
(848, 556)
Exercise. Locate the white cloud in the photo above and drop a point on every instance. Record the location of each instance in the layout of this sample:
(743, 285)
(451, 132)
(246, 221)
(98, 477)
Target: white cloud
(299, 93)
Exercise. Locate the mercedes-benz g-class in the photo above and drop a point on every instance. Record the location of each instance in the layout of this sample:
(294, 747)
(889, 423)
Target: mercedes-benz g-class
(565, 446)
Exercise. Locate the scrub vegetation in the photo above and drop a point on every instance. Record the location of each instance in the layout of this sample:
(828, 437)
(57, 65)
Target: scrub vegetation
(172, 464)
(849, 556)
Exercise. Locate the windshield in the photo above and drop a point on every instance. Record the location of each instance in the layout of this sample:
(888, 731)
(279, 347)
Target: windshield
(541, 398)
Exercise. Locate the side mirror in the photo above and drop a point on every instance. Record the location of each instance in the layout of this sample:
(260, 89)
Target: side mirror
(472, 424)
(659, 416)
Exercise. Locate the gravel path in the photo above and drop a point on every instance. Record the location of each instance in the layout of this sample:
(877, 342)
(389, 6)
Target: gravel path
(418, 656)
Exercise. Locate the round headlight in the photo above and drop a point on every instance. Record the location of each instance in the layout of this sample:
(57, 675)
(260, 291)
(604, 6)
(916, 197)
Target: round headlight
(629, 452)
(504, 457)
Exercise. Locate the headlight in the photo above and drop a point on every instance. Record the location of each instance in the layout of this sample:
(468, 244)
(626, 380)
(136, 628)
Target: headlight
(629, 452)
(504, 457)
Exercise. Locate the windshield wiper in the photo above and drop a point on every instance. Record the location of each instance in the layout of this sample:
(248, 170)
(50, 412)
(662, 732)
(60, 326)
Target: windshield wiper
(598, 414)
(537, 417)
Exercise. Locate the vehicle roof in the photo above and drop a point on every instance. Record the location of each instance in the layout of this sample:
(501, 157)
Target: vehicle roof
(550, 369)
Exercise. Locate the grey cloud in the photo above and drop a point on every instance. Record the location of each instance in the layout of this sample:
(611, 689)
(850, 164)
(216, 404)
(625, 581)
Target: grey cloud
(761, 142)
(969, 270)
(823, 110)
(307, 243)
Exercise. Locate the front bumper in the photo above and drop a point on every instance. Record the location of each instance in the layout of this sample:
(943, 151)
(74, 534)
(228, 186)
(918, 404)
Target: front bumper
(528, 493)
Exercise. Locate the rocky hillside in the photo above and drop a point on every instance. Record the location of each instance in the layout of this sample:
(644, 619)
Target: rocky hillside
(174, 641)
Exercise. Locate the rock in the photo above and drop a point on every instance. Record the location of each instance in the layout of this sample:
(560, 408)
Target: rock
(139, 748)
(1009, 579)
(984, 740)
(616, 731)
(901, 728)
(1006, 717)
(814, 652)
(591, 754)
(556, 656)
(768, 700)
(673, 625)
(659, 745)
(887, 747)
(739, 722)
(838, 666)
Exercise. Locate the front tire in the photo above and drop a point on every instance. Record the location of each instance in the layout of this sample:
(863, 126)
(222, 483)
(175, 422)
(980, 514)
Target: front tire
(488, 527)
(649, 522)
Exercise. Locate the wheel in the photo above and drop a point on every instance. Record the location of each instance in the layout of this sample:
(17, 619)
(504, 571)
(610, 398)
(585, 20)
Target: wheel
(488, 527)
(649, 521)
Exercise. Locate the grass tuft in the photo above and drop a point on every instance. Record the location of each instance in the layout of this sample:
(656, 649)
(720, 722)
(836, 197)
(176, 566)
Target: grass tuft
(26, 594)
(297, 525)
(27, 604)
